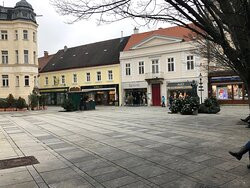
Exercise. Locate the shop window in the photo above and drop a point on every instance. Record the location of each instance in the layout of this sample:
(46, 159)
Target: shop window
(155, 66)
(170, 64)
(238, 92)
(5, 80)
(141, 67)
(5, 59)
(26, 81)
(214, 91)
(128, 69)
(4, 35)
(190, 62)
(224, 92)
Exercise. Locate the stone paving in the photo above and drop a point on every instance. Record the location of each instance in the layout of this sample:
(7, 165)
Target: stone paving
(127, 147)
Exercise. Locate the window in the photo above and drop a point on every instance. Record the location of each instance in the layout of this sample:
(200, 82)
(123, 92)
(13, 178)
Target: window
(170, 64)
(17, 81)
(4, 35)
(26, 80)
(16, 35)
(26, 56)
(34, 57)
(17, 57)
(54, 80)
(46, 81)
(5, 80)
(34, 37)
(74, 78)
(155, 66)
(128, 70)
(99, 76)
(88, 76)
(190, 62)
(110, 75)
(25, 34)
(63, 79)
(141, 67)
(35, 81)
(5, 58)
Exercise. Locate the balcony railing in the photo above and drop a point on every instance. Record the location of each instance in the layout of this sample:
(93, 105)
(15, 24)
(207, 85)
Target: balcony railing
(151, 75)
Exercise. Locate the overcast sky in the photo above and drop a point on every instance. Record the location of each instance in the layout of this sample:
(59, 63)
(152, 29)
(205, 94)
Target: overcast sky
(54, 33)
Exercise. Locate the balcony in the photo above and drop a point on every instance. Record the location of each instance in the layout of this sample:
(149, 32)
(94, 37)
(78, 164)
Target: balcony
(154, 77)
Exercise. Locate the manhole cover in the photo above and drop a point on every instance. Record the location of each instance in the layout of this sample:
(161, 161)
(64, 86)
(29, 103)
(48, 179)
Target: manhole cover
(17, 162)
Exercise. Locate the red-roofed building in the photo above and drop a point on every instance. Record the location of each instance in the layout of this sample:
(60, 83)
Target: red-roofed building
(42, 61)
(160, 63)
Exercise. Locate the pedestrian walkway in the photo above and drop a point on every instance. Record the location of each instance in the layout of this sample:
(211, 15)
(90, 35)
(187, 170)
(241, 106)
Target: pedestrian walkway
(124, 147)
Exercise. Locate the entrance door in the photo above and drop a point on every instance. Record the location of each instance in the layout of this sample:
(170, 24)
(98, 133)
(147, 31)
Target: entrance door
(156, 94)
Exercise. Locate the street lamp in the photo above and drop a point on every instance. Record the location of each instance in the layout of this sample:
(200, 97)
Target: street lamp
(201, 86)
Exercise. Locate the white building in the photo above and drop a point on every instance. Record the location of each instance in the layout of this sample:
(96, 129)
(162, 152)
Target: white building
(18, 50)
(160, 63)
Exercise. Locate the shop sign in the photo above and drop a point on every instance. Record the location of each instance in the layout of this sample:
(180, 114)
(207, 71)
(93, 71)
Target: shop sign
(135, 85)
(179, 84)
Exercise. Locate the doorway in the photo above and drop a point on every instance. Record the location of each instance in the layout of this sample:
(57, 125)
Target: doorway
(156, 94)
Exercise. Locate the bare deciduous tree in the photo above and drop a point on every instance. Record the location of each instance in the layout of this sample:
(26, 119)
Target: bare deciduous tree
(226, 23)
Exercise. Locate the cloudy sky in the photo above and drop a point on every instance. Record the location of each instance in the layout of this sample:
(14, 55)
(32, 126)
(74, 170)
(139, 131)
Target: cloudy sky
(54, 33)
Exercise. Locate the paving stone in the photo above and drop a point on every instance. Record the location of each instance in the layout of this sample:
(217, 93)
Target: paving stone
(71, 183)
(110, 176)
(125, 180)
(147, 171)
(7, 179)
(164, 178)
(30, 184)
(59, 175)
(213, 177)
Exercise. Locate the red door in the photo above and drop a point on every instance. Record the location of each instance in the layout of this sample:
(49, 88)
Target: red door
(156, 94)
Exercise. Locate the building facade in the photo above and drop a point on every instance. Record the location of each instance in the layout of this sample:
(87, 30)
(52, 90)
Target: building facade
(18, 48)
(160, 63)
(92, 69)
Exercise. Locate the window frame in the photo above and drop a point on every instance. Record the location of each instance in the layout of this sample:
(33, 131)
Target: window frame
(155, 65)
(26, 56)
(75, 78)
(4, 35)
(62, 79)
(171, 64)
(128, 69)
(25, 35)
(26, 81)
(5, 57)
(98, 76)
(5, 80)
(189, 66)
(88, 77)
(141, 67)
(110, 75)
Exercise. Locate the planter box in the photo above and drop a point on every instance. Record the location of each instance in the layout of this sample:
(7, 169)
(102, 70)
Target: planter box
(10, 109)
(2, 109)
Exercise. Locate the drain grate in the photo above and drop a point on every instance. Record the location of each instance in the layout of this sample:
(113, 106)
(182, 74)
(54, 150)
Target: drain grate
(17, 162)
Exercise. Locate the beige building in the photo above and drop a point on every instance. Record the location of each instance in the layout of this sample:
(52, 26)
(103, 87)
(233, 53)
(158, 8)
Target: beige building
(161, 63)
(18, 49)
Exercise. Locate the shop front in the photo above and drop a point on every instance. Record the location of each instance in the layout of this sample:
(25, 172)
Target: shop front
(135, 94)
(228, 89)
(102, 94)
(54, 96)
(179, 89)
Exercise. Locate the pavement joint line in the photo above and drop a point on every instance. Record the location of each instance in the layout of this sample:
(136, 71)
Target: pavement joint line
(122, 168)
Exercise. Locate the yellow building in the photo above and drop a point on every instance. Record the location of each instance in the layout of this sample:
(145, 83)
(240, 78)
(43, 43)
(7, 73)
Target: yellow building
(92, 69)
(18, 49)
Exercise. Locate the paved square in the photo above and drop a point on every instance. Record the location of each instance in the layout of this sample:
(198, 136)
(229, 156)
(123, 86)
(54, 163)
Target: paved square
(123, 147)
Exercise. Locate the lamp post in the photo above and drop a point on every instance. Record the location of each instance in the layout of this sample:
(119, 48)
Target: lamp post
(201, 86)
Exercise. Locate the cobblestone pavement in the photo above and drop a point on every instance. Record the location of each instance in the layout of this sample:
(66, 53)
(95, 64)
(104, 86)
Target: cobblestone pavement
(128, 147)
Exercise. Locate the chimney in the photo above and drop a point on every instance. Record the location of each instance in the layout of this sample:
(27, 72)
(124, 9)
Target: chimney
(46, 54)
(136, 30)
(121, 34)
(65, 48)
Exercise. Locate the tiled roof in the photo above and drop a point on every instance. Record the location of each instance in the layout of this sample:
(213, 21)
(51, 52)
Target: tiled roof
(89, 55)
(177, 32)
(42, 62)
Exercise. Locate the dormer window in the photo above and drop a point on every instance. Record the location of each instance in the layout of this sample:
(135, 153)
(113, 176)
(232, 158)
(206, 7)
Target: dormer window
(25, 14)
